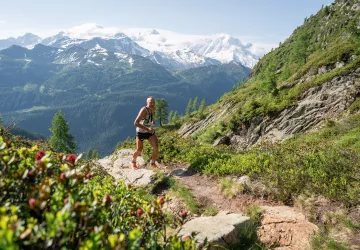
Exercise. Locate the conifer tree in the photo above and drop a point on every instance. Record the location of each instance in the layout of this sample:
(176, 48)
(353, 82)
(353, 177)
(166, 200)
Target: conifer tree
(170, 117)
(61, 140)
(161, 110)
(327, 10)
(195, 104)
(175, 117)
(95, 154)
(118, 145)
(202, 108)
(188, 108)
(89, 154)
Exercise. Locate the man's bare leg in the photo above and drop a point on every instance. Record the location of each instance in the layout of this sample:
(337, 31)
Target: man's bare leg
(153, 140)
(139, 148)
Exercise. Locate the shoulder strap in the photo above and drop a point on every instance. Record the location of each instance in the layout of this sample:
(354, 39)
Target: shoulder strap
(149, 113)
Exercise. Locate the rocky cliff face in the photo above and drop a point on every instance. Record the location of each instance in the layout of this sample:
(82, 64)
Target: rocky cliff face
(189, 129)
(314, 106)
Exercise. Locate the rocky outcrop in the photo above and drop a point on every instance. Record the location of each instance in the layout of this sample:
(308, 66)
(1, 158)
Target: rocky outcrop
(285, 228)
(220, 231)
(121, 159)
(191, 128)
(225, 140)
(315, 105)
(118, 166)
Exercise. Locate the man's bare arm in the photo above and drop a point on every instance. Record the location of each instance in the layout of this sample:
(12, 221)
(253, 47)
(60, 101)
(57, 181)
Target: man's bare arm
(141, 116)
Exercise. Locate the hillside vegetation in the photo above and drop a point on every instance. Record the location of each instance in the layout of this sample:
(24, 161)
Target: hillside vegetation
(322, 163)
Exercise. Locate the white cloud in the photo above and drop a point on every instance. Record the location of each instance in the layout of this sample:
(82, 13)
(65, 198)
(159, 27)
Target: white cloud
(260, 45)
(261, 49)
(2, 21)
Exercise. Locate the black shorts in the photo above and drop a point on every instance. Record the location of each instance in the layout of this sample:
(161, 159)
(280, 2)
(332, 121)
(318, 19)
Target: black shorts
(144, 136)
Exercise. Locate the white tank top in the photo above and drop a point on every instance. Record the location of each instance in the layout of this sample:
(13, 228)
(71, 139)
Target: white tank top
(147, 122)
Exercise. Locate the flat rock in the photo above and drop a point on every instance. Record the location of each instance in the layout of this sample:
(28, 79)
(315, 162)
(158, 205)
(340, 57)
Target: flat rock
(118, 165)
(222, 229)
(137, 177)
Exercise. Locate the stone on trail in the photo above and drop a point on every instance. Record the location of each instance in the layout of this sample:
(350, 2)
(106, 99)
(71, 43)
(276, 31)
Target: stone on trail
(118, 165)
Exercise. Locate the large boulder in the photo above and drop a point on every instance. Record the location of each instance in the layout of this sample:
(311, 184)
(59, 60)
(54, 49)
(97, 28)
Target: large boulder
(220, 230)
(284, 227)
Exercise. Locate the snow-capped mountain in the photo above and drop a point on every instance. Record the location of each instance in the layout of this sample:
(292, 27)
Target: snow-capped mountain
(222, 47)
(170, 49)
(181, 59)
(28, 41)
(94, 36)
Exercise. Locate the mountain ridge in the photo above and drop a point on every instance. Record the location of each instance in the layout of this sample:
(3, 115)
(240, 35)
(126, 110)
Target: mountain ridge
(172, 50)
(36, 83)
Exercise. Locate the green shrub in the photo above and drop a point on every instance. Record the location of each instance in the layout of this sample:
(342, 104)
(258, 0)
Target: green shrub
(50, 200)
(323, 163)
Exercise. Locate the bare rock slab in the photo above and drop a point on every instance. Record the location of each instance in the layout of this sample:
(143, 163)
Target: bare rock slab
(222, 229)
(136, 177)
(284, 227)
(118, 165)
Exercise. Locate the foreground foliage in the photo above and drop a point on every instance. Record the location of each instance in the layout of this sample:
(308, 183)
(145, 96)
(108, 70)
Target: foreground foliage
(51, 200)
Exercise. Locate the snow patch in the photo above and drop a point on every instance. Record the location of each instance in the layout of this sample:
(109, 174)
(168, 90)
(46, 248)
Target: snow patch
(131, 61)
(96, 64)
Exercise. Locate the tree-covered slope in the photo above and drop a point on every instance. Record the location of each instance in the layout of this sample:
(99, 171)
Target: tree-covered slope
(100, 92)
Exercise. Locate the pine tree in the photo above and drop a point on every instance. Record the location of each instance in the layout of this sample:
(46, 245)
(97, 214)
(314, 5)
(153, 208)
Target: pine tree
(95, 154)
(202, 108)
(170, 117)
(195, 104)
(326, 10)
(89, 154)
(188, 108)
(299, 52)
(161, 110)
(61, 140)
(118, 145)
(270, 78)
(175, 117)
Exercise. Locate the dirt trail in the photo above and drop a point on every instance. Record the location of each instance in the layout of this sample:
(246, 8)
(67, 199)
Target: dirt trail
(207, 192)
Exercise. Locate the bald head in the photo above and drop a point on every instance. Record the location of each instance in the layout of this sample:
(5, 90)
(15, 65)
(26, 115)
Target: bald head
(150, 102)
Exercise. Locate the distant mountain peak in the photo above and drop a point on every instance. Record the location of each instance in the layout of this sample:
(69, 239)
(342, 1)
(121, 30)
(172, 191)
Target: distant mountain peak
(28, 40)
(120, 35)
(175, 50)
(154, 32)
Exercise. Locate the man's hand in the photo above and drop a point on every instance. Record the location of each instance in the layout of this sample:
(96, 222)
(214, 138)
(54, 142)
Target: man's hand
(151, 130)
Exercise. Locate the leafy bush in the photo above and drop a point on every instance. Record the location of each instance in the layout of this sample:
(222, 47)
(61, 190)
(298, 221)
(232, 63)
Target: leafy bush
(53, 200)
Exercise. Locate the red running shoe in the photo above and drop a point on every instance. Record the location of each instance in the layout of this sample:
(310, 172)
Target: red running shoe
(133, 165)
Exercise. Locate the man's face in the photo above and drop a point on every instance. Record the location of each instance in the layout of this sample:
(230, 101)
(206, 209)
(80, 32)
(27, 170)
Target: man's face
(150, 102)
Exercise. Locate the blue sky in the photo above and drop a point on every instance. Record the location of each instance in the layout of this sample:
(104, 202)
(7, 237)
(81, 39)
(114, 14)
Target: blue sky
(262, 21)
